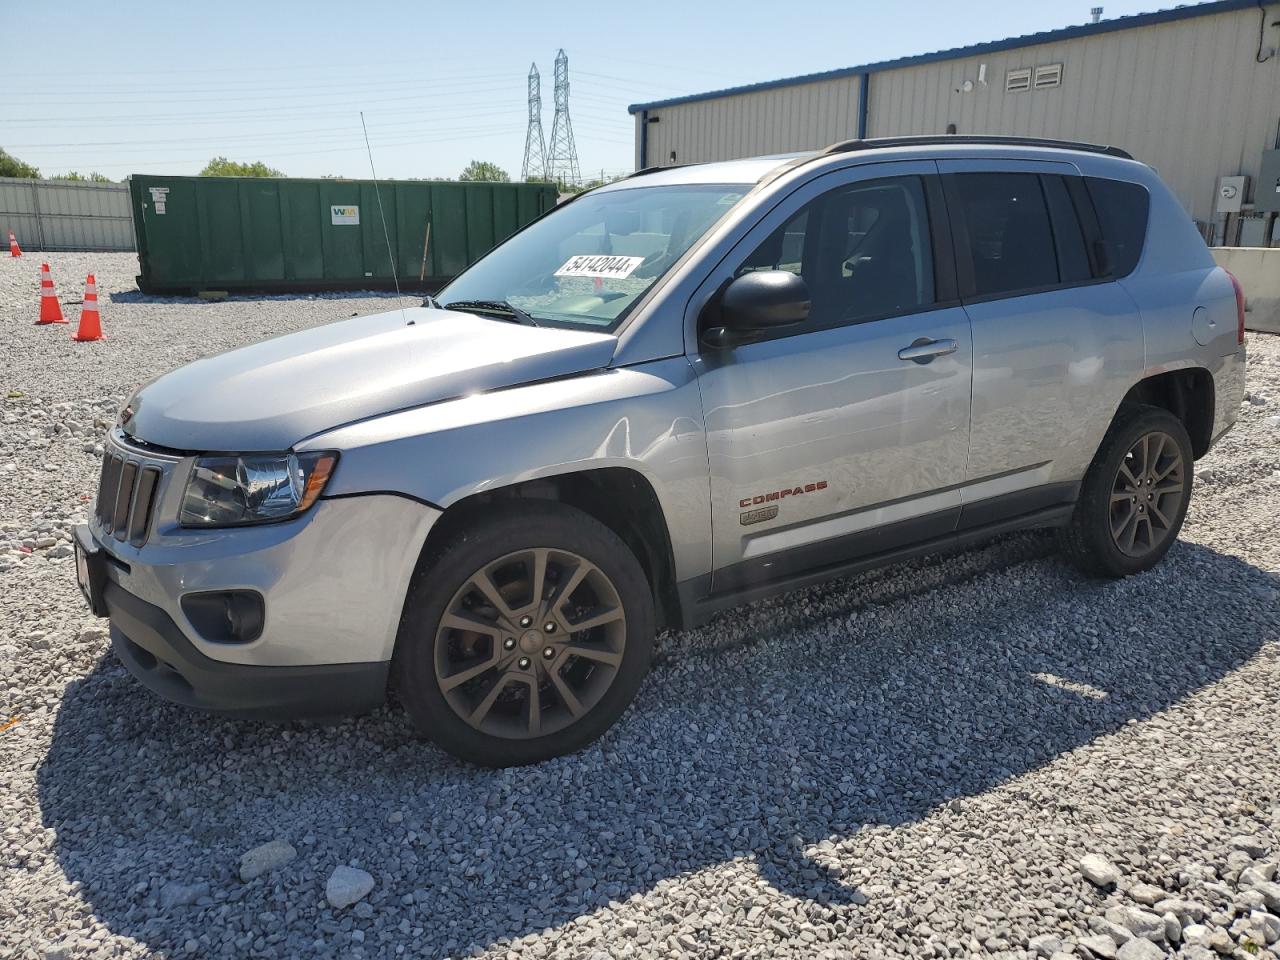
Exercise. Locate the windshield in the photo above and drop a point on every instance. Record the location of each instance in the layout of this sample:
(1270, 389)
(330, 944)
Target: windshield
(587, 263)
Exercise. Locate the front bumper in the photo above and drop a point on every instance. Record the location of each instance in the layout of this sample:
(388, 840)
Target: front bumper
(332, 583)
(160, 656)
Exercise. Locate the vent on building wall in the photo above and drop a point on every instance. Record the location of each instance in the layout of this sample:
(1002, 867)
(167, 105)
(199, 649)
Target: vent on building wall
(1050, 75)
(1016, 80)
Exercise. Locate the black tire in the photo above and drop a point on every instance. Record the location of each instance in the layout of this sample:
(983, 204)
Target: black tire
(507, 530)
(1088, 540)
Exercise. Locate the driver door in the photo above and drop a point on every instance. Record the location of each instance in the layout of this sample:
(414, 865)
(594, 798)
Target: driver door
(848, 434)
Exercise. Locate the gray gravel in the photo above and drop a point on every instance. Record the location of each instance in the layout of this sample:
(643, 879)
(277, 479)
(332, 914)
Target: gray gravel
(910, 763)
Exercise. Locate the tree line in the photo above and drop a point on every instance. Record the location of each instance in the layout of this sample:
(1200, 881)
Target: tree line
(477, 171)
(11, 166)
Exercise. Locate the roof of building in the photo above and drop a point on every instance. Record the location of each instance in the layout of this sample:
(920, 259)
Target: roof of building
(992, 46)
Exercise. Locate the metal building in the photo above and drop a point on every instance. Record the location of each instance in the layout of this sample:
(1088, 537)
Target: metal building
(1193, 91)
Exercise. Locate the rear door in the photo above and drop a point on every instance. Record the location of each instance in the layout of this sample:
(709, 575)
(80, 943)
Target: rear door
(827, 440)
(1054, 346)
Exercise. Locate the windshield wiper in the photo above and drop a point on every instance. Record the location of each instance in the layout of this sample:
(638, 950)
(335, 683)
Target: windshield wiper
(499, 308)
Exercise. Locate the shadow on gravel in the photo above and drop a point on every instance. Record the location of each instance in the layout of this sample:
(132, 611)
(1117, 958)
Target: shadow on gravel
(871, 701)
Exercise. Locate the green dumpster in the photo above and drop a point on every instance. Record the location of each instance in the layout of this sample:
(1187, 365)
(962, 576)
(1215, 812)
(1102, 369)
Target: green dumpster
(287, 234)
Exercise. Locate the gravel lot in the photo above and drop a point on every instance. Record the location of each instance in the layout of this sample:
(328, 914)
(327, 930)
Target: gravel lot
(909, 763)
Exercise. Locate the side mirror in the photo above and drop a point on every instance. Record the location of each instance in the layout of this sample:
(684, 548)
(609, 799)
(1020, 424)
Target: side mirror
(757, 302)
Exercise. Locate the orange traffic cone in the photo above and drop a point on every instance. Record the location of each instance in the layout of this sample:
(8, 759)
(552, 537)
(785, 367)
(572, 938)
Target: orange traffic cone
(50, 309)
(14, 249)
(90, 323)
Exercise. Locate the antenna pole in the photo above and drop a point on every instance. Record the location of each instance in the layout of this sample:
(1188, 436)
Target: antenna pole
(426, 245)
(386, 234)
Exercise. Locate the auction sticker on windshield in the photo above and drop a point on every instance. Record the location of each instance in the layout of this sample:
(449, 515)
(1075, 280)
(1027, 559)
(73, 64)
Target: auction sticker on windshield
(599, 265)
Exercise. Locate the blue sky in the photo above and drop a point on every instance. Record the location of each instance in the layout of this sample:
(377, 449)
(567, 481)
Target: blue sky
(148, 86)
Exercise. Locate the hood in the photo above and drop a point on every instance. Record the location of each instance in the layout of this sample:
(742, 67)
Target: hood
(271, 395)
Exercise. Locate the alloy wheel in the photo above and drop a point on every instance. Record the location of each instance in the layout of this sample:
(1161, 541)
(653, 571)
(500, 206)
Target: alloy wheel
(530, 643)
(1146, 494)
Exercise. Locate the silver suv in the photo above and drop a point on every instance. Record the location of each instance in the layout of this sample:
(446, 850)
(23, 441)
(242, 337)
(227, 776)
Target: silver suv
(676, 393)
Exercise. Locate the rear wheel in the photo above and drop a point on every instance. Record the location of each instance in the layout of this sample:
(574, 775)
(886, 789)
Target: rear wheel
(526, 637)
(1134, 497)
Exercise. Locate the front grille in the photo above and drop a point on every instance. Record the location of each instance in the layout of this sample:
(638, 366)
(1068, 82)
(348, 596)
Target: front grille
(127, 497)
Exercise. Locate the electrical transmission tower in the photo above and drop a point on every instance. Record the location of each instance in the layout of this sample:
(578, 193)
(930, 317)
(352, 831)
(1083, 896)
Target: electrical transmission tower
(563, 166)
(535, 147)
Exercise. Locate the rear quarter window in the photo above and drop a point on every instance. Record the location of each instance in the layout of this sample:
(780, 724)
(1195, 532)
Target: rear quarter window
(1122, 210)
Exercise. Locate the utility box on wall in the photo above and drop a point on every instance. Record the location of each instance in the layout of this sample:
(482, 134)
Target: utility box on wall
(1253, 231)
(1231, 191)
(1267, 195)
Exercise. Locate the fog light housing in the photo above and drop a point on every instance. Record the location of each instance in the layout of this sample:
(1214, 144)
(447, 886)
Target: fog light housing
(226, 616)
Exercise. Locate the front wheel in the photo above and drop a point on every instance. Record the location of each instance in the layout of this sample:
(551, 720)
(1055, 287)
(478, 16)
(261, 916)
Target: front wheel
(526, 637)
(1134, 497)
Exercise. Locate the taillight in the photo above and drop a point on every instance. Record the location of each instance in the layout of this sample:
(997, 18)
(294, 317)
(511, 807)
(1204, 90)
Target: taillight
(1239, 306)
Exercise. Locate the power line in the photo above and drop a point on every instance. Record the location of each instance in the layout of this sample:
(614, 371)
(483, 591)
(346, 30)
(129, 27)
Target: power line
(257, 115)
(437, 90)
(684, 68)
(310, 65)
(621, 121)
(147, 89)
(325, 107)
(627, 81)
(428, 122)
(435, 122)
(143, 148)
(88, 81)
(305, 153)
(488, 94)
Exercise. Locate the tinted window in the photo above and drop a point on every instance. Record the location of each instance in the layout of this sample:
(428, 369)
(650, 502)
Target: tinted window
(1068, 237)
(863, 250)
(1006, 223)
(784, 250)
(1122, 216)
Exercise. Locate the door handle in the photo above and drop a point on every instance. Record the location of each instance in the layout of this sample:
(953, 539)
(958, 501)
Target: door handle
(923, 349)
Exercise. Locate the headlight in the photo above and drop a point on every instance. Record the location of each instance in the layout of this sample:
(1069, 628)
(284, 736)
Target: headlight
(256, 488)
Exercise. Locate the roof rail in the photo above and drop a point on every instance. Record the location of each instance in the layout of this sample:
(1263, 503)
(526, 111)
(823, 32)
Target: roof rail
(875, 143)
(645, 171)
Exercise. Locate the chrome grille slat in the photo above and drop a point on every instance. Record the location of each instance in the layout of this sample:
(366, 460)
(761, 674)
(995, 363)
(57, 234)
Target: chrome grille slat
(102, 484)
(110, 487)
(128, 491)
(143, 504)
(124, 499)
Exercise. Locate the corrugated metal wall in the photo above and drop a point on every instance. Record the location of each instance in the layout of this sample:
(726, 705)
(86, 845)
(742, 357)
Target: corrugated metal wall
(1186, 97)
(782, 119)
(66, 215)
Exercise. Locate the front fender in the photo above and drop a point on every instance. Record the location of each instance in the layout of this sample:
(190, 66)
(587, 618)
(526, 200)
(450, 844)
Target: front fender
(647, 418)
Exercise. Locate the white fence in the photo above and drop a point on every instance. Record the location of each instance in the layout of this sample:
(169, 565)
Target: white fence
(66, 214)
